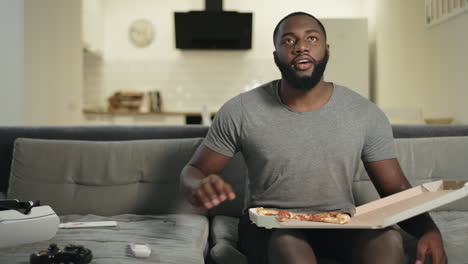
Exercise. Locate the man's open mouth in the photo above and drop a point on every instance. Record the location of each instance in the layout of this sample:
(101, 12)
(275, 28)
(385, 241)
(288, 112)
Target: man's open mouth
(302, 64)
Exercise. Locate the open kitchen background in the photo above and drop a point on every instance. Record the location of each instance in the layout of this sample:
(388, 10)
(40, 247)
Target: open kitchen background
(388, 54)
(191, 79)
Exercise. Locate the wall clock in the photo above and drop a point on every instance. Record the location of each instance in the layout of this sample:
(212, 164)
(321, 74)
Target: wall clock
(141, 33)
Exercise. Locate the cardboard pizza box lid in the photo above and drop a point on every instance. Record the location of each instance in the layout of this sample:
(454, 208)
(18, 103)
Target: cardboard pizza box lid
(383, 212)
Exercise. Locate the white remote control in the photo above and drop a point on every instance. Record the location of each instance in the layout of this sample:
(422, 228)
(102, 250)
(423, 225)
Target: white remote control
(94, 224)
(140, 250)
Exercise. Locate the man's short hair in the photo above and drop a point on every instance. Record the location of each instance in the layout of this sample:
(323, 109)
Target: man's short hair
(275, 32)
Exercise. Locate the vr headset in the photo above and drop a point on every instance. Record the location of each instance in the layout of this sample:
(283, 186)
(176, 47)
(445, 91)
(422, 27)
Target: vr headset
(26, 222)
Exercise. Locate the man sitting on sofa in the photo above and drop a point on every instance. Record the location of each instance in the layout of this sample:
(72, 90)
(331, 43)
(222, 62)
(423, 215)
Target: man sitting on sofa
(303, 139)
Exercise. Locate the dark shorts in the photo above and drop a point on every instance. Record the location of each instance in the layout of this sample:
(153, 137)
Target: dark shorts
(336, 244)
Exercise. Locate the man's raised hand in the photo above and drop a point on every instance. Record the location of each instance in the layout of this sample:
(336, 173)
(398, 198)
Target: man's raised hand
(210, 192)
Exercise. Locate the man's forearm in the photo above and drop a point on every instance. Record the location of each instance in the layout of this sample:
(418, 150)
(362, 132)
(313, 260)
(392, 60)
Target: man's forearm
(419, 225)
(190, 177)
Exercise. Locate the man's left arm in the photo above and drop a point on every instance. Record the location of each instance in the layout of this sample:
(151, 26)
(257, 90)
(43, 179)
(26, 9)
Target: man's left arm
(388, 179)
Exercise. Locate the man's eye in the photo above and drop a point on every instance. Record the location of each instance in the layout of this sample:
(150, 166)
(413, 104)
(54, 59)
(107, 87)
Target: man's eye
(312, 39)
(288, 41)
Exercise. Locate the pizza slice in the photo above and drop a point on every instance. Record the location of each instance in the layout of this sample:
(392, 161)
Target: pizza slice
(326, 217)
(267, 212)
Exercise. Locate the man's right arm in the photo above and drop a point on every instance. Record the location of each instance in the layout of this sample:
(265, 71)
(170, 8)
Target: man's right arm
(200, 181)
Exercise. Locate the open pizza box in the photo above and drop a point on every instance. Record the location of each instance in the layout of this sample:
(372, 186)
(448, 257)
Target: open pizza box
(383, 212)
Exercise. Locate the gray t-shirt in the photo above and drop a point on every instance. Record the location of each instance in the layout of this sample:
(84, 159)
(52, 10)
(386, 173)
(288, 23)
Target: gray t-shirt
(301, 160)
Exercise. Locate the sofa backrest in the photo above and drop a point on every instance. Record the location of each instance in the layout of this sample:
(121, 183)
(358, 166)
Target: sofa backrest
(8, 134)
(103, 178)
(424, 160)
(425, 131)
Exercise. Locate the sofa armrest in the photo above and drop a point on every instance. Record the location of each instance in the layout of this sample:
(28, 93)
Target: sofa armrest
(224, 237)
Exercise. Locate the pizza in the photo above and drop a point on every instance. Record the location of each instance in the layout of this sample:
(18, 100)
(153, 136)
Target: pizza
(326, 217)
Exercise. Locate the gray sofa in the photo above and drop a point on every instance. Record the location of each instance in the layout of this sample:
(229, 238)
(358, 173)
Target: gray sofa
(130, 174)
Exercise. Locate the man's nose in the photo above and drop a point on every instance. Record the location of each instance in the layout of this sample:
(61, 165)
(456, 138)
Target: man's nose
(301, 47)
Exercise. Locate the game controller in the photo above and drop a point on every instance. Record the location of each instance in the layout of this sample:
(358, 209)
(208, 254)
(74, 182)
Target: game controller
(71, 254)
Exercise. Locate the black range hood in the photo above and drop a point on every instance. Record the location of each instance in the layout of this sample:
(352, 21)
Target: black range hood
(213, 28)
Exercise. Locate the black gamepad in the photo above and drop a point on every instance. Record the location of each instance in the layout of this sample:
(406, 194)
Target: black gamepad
(71, 254)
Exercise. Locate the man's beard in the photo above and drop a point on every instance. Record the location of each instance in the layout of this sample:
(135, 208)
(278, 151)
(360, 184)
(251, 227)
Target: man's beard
(302, 83)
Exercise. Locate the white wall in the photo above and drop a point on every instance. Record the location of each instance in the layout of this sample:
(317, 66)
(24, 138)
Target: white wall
(190, 79)
(11, 64)
(349, 53)
(53, 62)
(420, 67)
(449, 65)
(92, 25)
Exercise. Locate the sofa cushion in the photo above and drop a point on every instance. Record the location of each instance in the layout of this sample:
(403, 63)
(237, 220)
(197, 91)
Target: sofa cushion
(423, 160)
(454, 228)
(173, 238)
(102, 178)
